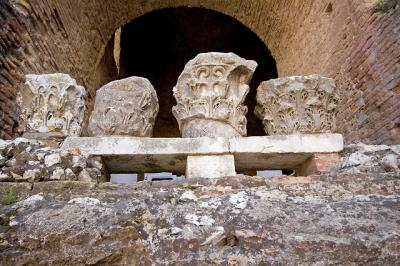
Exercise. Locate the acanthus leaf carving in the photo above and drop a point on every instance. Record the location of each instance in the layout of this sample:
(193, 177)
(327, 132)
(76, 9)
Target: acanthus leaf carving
(125, 107)
(213, 87)
(298, 104)
(51, 104)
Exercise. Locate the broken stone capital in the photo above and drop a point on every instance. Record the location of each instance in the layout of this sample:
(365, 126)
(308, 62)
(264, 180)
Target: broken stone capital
(210, 93)
(124, 107)
(52, 105)
(298, 104)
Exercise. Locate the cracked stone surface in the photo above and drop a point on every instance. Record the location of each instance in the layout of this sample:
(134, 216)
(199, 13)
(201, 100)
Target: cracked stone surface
(126, 106)
(239, 220)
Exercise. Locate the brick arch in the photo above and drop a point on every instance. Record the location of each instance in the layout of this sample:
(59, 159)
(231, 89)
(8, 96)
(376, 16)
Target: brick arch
(158, 44)
(236, 9)
(101, 73)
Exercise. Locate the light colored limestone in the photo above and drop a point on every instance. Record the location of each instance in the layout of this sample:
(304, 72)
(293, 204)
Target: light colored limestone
(210, 166)
(132, 154)
(210, 93)
(298, 104)
(296, 143)
(51, 104)
(281, 152)
(52, 159)
(147, 146)
(124, 107)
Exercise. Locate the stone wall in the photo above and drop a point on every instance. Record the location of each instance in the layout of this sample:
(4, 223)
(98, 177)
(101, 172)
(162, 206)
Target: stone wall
(54, 210)
(229, 221)
(346, 40)
(23, 160)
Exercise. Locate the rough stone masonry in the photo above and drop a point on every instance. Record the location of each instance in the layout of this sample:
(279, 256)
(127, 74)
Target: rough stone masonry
(347, 216)
(350, 219)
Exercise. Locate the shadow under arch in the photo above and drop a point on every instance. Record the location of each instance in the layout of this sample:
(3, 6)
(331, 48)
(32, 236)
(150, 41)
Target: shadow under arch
(158, 44)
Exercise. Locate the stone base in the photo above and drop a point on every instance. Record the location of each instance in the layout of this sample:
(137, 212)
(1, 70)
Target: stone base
(152, 155)
(318, 163)
(210, 166)
(208, 128)
(237, 220)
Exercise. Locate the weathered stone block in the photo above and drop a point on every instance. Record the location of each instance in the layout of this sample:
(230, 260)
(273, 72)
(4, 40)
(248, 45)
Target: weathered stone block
(52, 104)
(125, 107)
(210, 166)
(210, 93)
(138, 155)
(298, 104)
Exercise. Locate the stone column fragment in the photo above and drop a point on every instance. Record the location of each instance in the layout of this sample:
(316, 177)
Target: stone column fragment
(298, 104)
(51, 105)
(124, 107)
(210, 93)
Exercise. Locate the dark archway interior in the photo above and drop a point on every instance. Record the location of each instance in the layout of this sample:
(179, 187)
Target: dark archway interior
(158, 44)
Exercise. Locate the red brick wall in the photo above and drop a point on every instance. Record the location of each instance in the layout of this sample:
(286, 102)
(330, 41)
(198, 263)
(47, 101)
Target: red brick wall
(371, 102)
(349, 42)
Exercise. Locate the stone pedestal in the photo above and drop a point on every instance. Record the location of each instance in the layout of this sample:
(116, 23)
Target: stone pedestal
(51, 106)
(124, 107)
(210, 166)
(298, 104)
(210, 93)
(206, 155)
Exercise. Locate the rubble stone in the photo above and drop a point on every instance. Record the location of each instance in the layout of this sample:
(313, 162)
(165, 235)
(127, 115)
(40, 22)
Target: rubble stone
(391, 162)
(373, 159)
(84, 176)
(32, 161)
(31, 175)
(52, 159)
(58, 174)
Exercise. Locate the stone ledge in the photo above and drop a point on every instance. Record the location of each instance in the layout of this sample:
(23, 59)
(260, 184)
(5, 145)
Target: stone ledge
(132, 154)
(299, 143)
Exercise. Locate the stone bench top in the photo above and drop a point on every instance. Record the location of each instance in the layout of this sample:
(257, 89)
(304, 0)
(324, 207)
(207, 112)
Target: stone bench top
(134, 154)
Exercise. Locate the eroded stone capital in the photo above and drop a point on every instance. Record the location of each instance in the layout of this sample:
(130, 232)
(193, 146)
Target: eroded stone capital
(212, 89)
(52, 104)
(124, 107)
(298, 104)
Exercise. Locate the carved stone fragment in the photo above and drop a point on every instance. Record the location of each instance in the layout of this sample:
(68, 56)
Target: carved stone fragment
(51, 104)
(124, 107)
(298, 104)
(210, 93)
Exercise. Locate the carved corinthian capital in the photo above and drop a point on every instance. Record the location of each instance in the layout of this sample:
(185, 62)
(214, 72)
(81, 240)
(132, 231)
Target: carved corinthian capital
(124, 107)
(299, 104)
(51, 104)
(210, 93)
